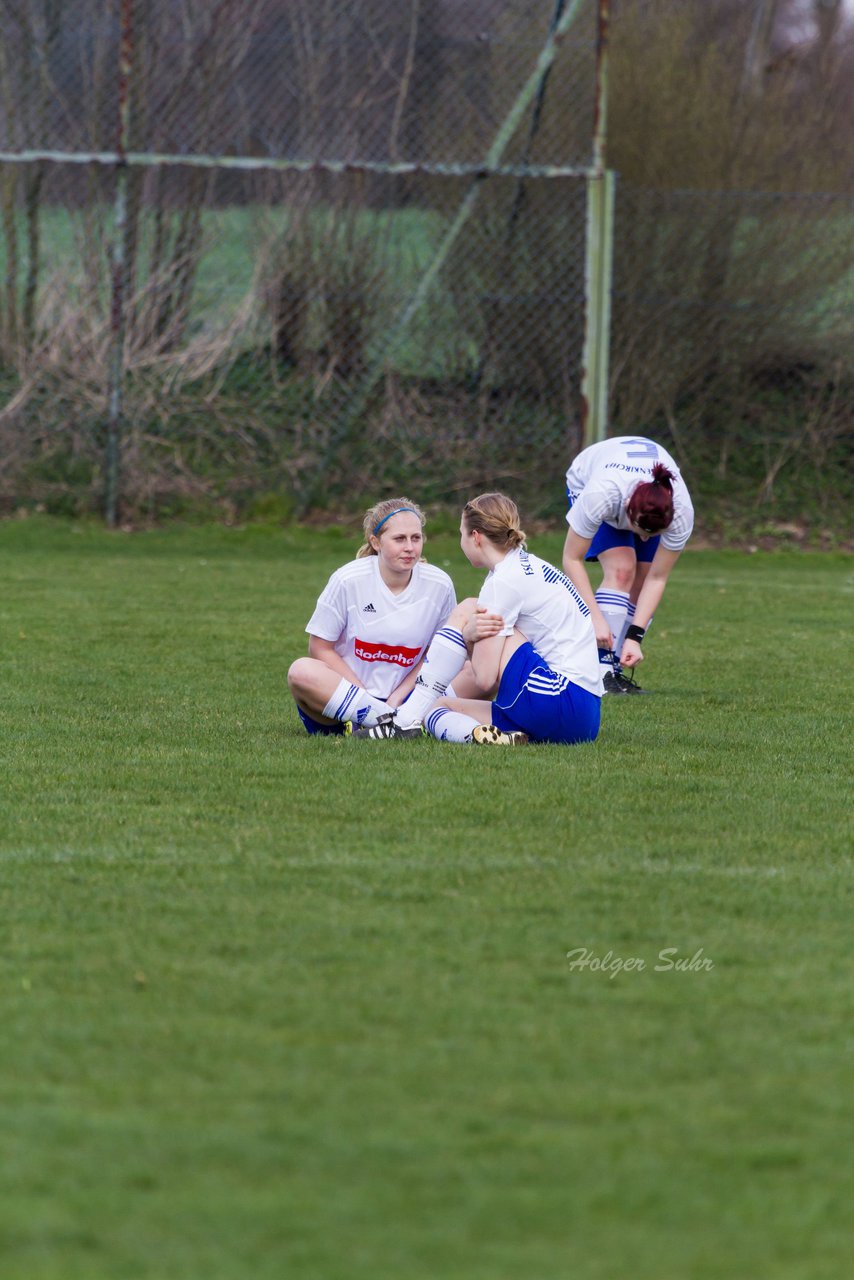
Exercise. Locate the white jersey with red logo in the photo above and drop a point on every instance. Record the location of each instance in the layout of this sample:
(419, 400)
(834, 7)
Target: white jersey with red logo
(603, 477)
(380, 635)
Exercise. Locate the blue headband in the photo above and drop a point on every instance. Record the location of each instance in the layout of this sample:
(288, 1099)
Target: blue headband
(389, 516)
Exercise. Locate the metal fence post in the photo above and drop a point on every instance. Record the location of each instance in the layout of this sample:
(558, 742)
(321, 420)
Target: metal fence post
(597, 288)
(598, 254)
(118, 270)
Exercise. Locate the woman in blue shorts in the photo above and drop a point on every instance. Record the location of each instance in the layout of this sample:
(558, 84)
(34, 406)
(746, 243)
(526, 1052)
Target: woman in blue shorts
(372, 625)
(630, 509)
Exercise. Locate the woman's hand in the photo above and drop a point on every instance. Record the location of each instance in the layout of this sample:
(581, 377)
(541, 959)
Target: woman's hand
(631, 655)
(604, 637)
(482, 625)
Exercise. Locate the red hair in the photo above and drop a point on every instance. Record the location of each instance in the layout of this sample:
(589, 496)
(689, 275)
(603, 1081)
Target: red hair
(651, 504)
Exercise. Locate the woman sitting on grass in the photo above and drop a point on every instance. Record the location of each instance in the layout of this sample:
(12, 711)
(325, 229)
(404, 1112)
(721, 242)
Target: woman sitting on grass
(542, 666)
(373, 622)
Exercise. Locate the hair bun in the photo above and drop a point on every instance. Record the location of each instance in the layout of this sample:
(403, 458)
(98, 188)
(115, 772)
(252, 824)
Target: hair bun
(663, 475)
(497, 517)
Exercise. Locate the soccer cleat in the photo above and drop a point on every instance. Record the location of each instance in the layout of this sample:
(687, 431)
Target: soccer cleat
(490, 734)
(387, 727)
(617, 682)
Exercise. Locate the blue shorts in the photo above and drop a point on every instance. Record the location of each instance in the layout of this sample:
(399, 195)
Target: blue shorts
(546, 706)
(314, 726)
(607, 536)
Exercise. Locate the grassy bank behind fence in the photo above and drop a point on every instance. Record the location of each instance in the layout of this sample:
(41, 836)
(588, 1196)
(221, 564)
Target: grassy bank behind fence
(266, 364)
(274, 1004)
(237, 242)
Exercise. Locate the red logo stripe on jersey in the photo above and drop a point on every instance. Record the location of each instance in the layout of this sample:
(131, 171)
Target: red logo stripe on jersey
(396, 653)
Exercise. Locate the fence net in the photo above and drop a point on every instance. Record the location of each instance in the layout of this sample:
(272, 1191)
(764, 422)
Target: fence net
(309, 79)
(304, 316)
(294, 167)
(733, 336)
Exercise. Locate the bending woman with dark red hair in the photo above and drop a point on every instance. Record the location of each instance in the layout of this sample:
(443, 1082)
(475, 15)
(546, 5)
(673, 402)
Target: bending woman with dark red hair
(630, 509)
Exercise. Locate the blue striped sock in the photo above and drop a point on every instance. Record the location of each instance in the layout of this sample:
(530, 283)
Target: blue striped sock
(445, 659)
(615, 608)
(349, 702)
(450, 726)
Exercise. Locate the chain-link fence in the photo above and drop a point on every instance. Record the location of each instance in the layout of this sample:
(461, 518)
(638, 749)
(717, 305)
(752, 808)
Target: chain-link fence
(283, 250)
(266, 255)
(733, 338)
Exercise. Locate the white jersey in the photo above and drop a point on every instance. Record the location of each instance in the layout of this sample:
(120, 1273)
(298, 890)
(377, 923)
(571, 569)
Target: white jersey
(534, 596)
(381, 636)
(603, 477)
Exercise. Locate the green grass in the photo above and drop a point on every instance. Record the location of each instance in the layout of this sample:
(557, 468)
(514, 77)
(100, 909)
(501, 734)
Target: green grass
(278, 1006)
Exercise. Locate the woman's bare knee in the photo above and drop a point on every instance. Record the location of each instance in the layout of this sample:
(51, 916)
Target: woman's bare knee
(462, 612)
(300, 675)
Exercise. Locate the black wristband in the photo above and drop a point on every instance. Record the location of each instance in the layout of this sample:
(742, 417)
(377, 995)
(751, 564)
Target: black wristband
(635, 633)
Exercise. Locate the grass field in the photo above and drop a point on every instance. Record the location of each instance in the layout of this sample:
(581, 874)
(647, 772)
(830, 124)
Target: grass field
(282, 1006)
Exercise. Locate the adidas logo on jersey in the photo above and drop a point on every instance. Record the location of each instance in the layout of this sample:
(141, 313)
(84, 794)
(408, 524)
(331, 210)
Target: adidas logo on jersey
(369, 608)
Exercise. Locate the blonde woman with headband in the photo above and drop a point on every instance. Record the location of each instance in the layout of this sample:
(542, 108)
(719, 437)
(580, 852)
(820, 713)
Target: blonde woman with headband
(539, 673)
(372, 625)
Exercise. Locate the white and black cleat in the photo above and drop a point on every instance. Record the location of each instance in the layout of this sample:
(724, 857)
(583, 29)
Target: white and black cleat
(386, 727)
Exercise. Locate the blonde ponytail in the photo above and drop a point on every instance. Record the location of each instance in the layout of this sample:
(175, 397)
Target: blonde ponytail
(496, 517)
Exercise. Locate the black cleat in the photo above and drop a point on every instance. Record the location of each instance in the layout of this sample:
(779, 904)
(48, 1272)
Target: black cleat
(386, 727)
(618, 682)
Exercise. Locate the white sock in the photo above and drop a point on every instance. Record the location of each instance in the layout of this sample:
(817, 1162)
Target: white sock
(349, 702)
(614, 606)
(621, 638)
(445, 659)
(450, 726)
